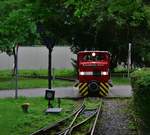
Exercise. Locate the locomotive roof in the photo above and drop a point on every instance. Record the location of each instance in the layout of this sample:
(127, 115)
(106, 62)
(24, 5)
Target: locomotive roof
(93, 51)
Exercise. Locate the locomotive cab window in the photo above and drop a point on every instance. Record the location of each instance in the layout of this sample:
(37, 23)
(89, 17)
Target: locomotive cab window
(97, 57)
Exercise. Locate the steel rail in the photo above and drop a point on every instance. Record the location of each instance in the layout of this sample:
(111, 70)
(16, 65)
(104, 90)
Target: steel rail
(46, 130)
(92, 129)
(82, 122)
(95, 122)
(72, 119)
(65, 131)
(71, 124)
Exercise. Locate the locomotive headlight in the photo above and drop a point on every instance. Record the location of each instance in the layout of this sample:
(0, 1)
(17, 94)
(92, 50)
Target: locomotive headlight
(82, 73)
(86, 73)
(104, 73)
(93, 54)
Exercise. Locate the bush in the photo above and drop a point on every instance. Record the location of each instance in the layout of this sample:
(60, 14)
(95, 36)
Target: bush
(140, 81)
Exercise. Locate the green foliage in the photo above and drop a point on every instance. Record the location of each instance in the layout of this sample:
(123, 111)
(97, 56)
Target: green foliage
(82, 8)
(140, 81)
(120, 69)
(111, 25)
(100, 24)
(147, 10)
(126, 12)
(17, 26)
(19, 22)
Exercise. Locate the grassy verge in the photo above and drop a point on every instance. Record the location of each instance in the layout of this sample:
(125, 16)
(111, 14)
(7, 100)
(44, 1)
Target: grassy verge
(32, 83)
(57, 72)
(120, 81)
(15, 122)
(41, 72)
(7, 81)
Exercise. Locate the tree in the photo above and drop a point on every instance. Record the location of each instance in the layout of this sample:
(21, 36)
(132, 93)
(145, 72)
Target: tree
(100, 24)
(16, 25)
(111, 25)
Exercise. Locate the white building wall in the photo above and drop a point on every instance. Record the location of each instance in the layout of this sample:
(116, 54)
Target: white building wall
(37, 58)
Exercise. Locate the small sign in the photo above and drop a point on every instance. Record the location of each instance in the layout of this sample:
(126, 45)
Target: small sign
(49, 94)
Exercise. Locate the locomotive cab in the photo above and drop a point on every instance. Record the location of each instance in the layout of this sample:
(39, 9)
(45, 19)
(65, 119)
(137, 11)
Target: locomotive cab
(93, 73)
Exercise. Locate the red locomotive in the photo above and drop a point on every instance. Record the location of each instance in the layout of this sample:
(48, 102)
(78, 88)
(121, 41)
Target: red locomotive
(93, 73)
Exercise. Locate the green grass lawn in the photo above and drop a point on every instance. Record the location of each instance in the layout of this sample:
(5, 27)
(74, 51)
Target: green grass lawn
(120, 81)
(13, 121)
(31, 83)
(7, 81)
(40, 72)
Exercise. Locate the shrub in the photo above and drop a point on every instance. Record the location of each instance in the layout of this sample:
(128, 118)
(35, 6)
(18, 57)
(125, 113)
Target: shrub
(140, 81)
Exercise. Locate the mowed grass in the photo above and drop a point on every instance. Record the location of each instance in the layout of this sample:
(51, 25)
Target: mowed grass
(13, 121)
(40, 72)
(33, 79)
(32, 83)
(120, 81)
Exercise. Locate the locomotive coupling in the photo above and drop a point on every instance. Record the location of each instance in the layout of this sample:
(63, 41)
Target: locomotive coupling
(93, 86)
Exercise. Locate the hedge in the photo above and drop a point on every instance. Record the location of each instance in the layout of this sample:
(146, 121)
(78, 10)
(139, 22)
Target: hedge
(140, 81)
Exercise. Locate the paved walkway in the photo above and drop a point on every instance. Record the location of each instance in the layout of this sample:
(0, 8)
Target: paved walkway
(120, 91)
(116, 91)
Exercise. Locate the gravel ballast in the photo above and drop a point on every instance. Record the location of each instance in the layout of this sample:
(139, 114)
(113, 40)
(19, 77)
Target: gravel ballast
(116, 118)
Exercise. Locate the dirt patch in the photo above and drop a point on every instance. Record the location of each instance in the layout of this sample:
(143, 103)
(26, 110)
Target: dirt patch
(116, 118)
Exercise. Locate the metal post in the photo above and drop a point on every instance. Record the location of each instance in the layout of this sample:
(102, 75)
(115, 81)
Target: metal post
(129, 59)
(53, 76)
(49, 103)
(59, 102)
(16, 73)
(49, 68)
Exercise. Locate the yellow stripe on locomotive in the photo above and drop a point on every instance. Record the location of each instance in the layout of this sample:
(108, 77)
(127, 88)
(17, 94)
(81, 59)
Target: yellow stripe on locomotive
(100, 89)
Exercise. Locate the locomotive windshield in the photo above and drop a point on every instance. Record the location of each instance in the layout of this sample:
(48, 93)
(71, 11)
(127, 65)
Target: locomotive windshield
(89, 57)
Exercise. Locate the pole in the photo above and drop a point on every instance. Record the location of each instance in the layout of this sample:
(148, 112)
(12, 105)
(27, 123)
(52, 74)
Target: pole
(53, 77)
(49, 103)
(16, 73)
(49, 68)
(129, 59)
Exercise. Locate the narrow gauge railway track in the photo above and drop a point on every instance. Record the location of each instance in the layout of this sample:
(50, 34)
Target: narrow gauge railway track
(82, 121)
(53, 129)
